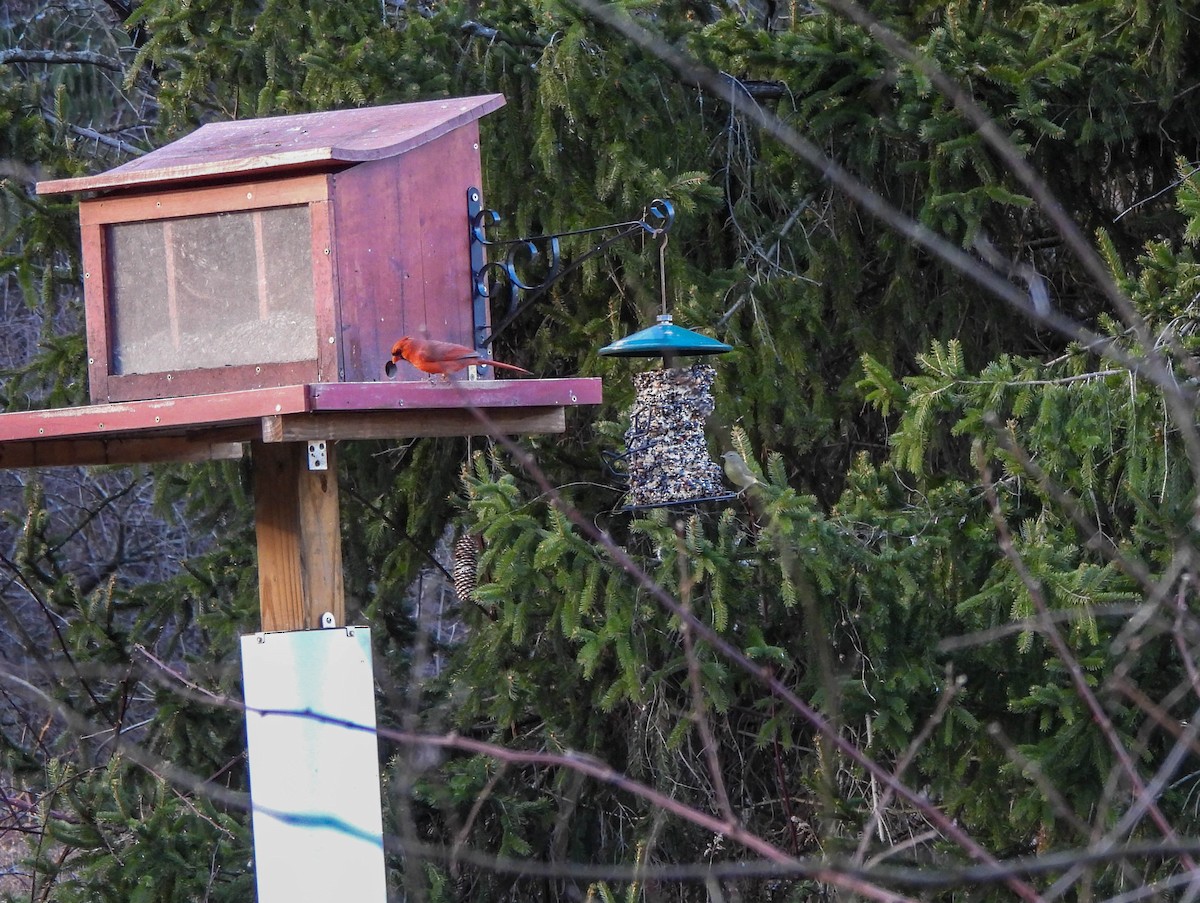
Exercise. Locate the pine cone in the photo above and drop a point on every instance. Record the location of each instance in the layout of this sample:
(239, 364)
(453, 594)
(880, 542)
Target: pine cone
(466, 563)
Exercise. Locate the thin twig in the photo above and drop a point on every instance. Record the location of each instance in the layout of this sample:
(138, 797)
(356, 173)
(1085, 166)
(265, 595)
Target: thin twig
(700, 718)
(949, 691)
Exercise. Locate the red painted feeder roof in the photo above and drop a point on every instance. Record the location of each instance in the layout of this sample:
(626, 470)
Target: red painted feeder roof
(306, 141)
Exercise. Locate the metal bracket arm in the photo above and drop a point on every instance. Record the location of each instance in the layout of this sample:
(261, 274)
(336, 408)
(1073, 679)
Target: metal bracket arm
(497, 278)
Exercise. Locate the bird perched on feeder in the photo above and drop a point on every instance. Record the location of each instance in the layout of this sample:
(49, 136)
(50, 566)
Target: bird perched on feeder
(738, 472)
(433, 357)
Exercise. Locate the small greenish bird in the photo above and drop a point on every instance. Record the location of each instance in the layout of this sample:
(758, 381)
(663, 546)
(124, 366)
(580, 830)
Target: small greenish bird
(737, 471)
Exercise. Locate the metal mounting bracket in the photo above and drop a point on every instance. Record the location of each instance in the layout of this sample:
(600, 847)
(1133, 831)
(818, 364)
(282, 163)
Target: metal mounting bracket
(497, 278)
(318, 455)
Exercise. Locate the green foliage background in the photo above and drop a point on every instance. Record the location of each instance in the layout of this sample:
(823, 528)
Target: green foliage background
(864, 382)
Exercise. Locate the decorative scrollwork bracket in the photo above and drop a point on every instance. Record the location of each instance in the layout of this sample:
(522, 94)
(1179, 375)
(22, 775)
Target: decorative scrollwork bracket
(502, 277)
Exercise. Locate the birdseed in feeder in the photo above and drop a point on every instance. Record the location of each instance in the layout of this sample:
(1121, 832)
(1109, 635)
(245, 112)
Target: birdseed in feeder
(667, 458)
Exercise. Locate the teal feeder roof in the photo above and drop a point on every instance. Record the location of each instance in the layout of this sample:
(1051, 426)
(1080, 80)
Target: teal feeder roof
(664, 340)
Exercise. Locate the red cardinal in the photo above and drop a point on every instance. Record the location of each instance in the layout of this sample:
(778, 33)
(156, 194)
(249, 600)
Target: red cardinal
(440, 357)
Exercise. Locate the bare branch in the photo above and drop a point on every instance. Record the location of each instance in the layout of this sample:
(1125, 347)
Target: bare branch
(60, 58)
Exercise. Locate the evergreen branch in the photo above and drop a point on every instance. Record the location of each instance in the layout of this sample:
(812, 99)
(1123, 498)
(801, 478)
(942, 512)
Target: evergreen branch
(162, 768)
(464, 833)
(949, 827)
(1182, 407)
(1095, 536)
(1058, 803)
(1166, 189)
(51, 620)
(1151, 365)
(1152, 368)
(1057, 381)
(1157, 713)
(866, 881)
(922, 879)
(598, 770)
(407, 537)
(22, 715)
(201, 692)
(784, 793)
(949, 690)
(770, 256)
(774, 861)
(1024, 625)
(760, 90)
(580, 762)
(106, 501)
(1143, 801)
(396, 526)
(601, 771)
(754, 89)
(21, 807)
(699, 710)
(90, 134)
(479, 30)
(1003, 145)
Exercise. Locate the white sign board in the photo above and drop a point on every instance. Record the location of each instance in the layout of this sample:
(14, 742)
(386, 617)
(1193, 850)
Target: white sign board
(314, 766)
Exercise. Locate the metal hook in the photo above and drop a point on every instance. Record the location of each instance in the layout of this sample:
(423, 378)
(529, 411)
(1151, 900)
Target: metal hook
(662, 271)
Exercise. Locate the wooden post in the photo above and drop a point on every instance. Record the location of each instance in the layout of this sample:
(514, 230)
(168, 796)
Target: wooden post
(299, 538)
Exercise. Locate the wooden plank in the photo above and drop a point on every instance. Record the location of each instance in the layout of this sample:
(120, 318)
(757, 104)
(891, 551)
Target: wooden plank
(95, 301)
(321, 541)
(199, 201)
(440, 176)
(288, 428)
(277, 525)
(461, 393)
(166, 416)
(373, 265)
(162, 415)
(168, 233)
(204, 381)
(261, 287)
(222, 149)
(421, 285)
(81, 452)
(299, 539)
(327, 293)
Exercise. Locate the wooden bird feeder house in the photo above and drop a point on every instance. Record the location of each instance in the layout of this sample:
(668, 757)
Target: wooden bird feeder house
(245, 285)
(291, 250)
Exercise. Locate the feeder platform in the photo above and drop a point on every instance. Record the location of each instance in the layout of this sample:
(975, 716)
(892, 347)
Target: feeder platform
(205, 427)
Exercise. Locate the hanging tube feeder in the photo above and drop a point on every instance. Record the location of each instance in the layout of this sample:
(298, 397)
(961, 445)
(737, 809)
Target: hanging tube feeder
(666, 458)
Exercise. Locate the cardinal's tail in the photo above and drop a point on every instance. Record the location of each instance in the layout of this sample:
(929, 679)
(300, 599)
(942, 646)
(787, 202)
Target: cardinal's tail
(491, 363)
